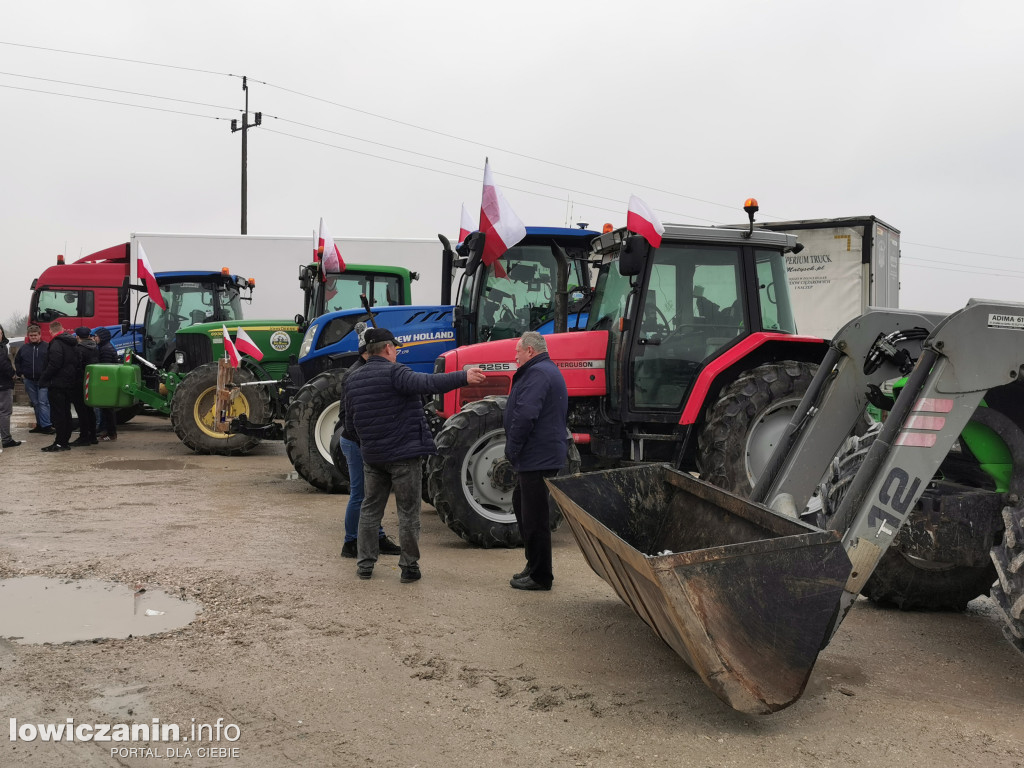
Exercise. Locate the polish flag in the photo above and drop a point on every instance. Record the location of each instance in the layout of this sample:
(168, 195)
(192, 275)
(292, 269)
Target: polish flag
(243, 343)
(466, 226)
(316, 248)
(330, 255)
(145, 270)
(644, 221)
(498, 221)
(229, 349)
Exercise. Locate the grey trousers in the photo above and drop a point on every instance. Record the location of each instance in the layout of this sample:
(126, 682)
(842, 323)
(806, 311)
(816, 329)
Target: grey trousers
(404, 477)
(6, 409)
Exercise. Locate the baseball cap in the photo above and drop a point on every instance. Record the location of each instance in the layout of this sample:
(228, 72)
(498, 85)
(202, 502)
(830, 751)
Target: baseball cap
(83, 332)
(374, 335)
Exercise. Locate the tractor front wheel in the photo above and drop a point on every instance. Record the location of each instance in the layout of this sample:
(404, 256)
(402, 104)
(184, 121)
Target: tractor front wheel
(194, 412)
(746, 423)
(308, 428)
(470, 482)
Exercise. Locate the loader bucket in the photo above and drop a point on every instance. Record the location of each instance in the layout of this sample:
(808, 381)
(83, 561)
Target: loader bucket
(747, 597)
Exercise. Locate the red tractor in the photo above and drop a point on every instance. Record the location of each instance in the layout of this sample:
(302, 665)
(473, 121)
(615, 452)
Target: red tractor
(689, 356)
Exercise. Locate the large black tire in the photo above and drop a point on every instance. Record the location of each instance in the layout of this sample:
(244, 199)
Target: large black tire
(470, 482)
(194, 420)
(745, 424)
(1008, 591)
(899, 579)
(308, 427)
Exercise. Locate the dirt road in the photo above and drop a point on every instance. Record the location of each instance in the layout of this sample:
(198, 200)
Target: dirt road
(317, 668)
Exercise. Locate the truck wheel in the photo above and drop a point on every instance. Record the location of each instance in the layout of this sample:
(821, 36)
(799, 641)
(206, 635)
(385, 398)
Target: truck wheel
(746, 423)
(471, 483)
(193, 412)
(1008, 591)
(899, 579)
(308, 429)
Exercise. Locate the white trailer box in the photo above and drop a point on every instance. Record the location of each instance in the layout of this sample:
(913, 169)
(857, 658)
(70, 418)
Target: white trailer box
(273, 262)
(846, 265)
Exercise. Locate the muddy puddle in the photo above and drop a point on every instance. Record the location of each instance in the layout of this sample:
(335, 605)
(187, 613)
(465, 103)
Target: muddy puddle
(36, 609)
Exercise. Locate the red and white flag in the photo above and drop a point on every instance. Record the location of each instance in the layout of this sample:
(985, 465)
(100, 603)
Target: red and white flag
(243, 343)
(498, 221)
(316, 248)
(229, 349)
(465, 226)
(642, 219)
(146, 273)
(330, 254)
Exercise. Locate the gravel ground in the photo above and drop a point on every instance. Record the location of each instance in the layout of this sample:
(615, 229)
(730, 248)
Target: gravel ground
(317, 668)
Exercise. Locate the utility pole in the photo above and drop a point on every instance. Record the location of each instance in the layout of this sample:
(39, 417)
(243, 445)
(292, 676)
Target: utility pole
(244, 128)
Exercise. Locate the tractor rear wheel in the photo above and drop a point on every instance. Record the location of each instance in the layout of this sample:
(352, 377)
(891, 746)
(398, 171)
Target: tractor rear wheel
(470, 481)
(746, 423)
(194, 417)
(308, 428)
(900, 579)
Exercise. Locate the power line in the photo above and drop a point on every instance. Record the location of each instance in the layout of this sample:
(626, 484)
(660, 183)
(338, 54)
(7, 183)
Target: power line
(115, 58)
(116, 90)
(958, 250)
(109, 101)
(988, 271)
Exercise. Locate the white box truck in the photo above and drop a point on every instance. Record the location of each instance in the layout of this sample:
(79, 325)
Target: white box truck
(846, 265)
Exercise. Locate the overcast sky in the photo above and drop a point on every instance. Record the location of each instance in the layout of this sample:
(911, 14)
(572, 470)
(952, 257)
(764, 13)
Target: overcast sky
(378, 117)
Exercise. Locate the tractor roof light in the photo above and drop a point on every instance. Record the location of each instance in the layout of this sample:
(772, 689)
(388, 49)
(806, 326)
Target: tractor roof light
(225, 271)
(252, 282)
(750, 206)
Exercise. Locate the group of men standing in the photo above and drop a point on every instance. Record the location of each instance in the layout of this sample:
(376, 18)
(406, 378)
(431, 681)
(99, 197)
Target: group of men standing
(53, 374)
(384, 419)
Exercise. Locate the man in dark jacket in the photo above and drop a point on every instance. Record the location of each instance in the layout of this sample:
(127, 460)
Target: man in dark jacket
(89, 354)
(6, 394)
(62, 375)
(536, 446)
(106, 418)
(30, 362)
(384, 412)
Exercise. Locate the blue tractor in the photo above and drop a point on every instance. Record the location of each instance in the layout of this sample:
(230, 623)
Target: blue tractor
(543, 277)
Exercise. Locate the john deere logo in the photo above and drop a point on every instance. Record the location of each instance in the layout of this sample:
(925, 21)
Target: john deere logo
(280, 341)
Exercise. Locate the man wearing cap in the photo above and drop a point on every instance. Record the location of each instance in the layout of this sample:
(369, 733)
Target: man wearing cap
(384, 410)
(345, 449)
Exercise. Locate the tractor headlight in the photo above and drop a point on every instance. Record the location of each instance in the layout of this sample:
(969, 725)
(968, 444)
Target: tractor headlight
(307, 341)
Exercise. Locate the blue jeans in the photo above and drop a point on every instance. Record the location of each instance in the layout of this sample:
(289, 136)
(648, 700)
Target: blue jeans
(40, 399)
(354, 459)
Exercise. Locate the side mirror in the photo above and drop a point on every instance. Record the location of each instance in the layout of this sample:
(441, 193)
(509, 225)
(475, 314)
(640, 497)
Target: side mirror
(304, 278)
(473, 248)
(633, 252)
(299, 320)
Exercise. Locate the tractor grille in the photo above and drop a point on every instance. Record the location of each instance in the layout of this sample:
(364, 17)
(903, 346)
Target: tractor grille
(198, 350)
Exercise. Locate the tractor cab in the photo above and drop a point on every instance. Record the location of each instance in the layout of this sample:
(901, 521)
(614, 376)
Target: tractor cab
(671, 311)
(519, 291)
(336, 292)
(191, 298)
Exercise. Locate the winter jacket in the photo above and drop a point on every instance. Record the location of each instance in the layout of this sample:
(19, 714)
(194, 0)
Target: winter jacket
(535, 417)
(63, 364)
(30, 362)
(107, 351)
(384, 411)
(359, 363)
(6, 368)
(89, 352)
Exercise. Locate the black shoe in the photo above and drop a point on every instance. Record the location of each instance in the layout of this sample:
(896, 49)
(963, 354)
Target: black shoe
(10, 443)
(364, 574)
(348, 549)
(527, 583)
(55, 447)
(388, 547)
(412, 573)
(37, 431)
(47, 431)
(522, 574)
(84, 441)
